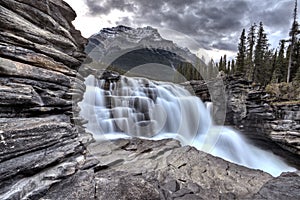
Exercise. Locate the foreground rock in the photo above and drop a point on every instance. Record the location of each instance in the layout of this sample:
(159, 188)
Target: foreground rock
(143, 169)
(169, 171)
(286, 186)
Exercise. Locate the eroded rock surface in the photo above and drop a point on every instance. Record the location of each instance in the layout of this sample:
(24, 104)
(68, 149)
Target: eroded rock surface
(287, 186)
(143, 169)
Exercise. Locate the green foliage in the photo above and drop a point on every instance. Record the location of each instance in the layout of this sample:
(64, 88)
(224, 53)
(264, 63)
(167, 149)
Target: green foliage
(284, 91)
(233, 67)
(260, 56)
(297, 77)
(189, 71)
(224, 63)
(221, 66)
(293, 46)
(241, 56)
(260, 64)
(295, 65)
(251, 38)
(279, 74)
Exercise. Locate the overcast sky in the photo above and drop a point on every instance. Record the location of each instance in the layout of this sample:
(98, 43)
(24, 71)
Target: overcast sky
(214, 25)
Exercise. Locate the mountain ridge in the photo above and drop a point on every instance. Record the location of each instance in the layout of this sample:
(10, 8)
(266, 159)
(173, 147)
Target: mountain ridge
(123, 37)
(124, 48)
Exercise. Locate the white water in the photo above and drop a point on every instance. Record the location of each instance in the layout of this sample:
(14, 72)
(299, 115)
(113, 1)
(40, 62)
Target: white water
(137, 107)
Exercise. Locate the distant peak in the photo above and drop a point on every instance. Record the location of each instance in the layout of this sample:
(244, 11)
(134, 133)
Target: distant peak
(132, 33)
(116, 29)
(124, 37)
(123, 28)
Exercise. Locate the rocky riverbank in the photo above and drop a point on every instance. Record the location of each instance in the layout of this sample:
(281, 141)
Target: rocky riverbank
(270, 122)
(45, 152)
(256, 112)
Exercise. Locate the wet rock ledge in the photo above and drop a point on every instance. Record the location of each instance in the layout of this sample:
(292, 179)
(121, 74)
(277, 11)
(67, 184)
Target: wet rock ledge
(45, 152)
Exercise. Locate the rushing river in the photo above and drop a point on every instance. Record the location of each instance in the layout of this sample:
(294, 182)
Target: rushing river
(138, 107)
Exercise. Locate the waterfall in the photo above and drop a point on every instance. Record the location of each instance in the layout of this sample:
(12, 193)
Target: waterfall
(138, 107)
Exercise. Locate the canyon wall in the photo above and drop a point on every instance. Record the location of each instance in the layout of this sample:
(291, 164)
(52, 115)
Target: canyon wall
(255, 112)
(40, 52)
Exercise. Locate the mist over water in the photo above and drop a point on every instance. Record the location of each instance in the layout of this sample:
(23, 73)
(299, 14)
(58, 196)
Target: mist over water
(138, 107)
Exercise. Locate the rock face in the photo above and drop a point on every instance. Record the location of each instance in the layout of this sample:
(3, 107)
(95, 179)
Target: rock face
(251, 110)
(40, 52)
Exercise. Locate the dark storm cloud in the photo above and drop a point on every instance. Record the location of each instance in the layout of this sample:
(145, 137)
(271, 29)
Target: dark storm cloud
(225, 45)
(210, 22)
(279, 15)
(104, 7)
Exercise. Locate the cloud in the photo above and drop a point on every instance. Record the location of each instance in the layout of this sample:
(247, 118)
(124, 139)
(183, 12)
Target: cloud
(212, 23)
(278, 16)
(104, 7)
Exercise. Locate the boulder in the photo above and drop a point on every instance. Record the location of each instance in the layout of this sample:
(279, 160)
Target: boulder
(286, 186)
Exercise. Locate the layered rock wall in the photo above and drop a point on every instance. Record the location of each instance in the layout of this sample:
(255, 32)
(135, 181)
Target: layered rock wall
(40, 52)
(253, 111)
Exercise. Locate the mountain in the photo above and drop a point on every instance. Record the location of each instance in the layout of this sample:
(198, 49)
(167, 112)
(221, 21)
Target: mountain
(125, 48)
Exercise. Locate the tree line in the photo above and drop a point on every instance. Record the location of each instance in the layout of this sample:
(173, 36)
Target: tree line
(256, 61)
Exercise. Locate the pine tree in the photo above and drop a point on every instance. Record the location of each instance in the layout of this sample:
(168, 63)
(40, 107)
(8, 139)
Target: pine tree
(224, 63)
(296, 70)
(221, 65)
(293, 34)
(228, 67)
(268, 67)
(279, 64)
(241, 56)
(274, 62)
(296, 60)
(233, 68)
(260, 51)
(297, 77)
(251, 38)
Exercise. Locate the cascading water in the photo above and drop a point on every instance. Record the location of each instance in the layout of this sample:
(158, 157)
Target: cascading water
(137, 107)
